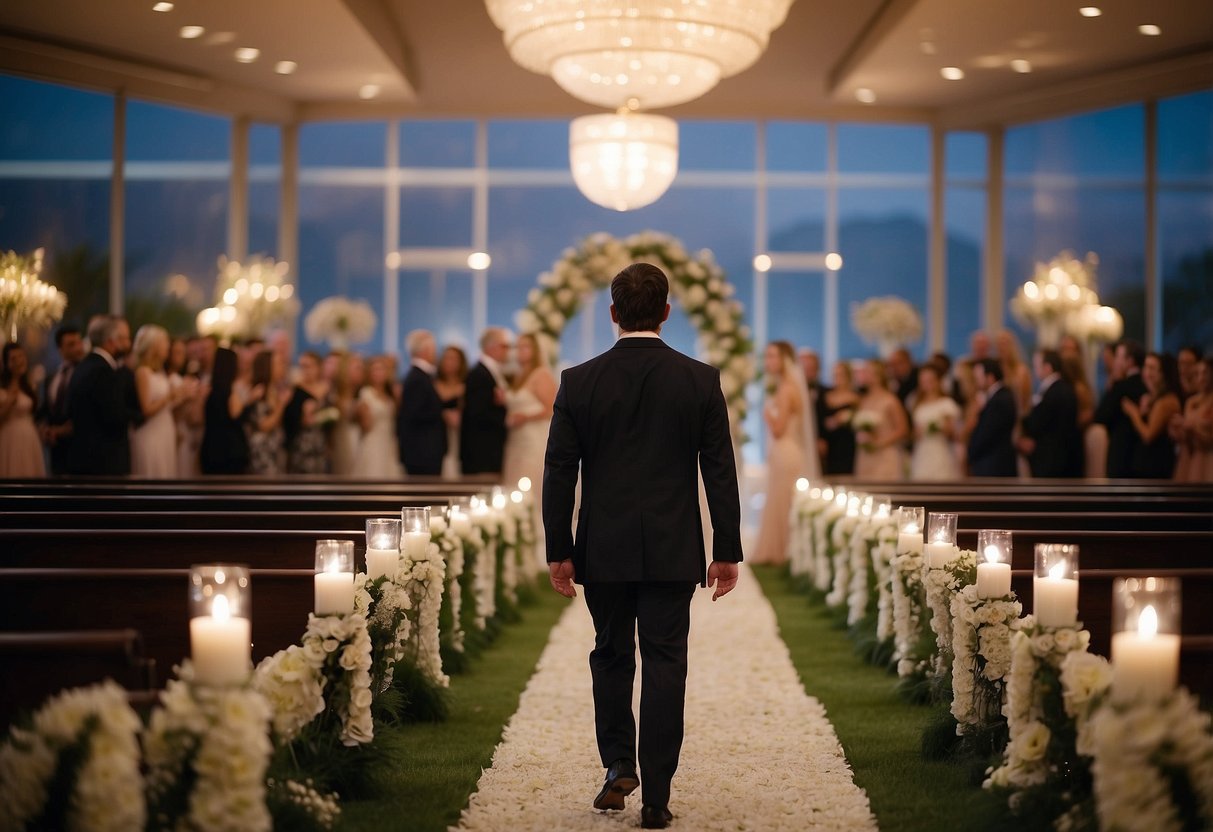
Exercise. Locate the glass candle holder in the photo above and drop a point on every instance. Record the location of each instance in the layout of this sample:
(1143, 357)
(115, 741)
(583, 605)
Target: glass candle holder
(993, 563)
(909, 529)
(382, 546)
(500, 500)
(220, 627)
(940, 545)
(854, 502)
(524, 484)
(516, 497)
(416, 537)
(440, 517)
(802, 485)
(334, 581)
(827, 494)
(882, 507)
(1055, 586)
(1145, 638)
(840, 498)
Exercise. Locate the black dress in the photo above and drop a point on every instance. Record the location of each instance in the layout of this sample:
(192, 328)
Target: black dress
(840, 443)
(1156, 460)
(306, 445)
(224, 445)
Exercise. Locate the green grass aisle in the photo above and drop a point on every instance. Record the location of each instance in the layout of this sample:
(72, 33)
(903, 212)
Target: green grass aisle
(881, 734)
(434, 767)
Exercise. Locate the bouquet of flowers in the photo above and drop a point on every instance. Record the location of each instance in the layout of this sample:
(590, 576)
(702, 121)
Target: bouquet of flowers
(25, 300)
(385, 603)
(941, 585)
(981, 645)
(340, 322)
(864, 423)
(886, 322)
(326, 416)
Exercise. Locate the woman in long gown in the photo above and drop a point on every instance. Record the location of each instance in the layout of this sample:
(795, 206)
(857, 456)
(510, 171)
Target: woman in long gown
(840, 403)
(263, 416)
(528, 405)
(154, 442)
(881, 427)
(348, 374)
(224, 445)
(1193, 429)
(791, 450)
(188, 414)
(1154, 454)
(451, 384)
(20, 448)
(307, 448)
(378, 456)
(936, 419)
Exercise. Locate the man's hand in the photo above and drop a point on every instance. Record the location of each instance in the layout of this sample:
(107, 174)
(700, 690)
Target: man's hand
(723, 576)
(561, 575)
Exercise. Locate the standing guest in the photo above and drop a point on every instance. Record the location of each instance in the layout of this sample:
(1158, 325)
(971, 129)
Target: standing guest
(98, 405)
(451, 384)
(224, 447)
(529, 404)
(20, 450)
(942, 362)
(1015, 373)
(979, 346)
(1193, 431)
(970, 404)
(903, 378)
(1094, 437)
(1051, 440)
(1123, 439)
(936, 421)
(881, 428)
(378, 456)
(1187, 361)
(810, 364)
(1113, 372)
(304, 422)
(1070, 347)
(420, 426)
(263, 415)
(154, 443)
(53, 422)
(991, 452)
(348, 376)
(482, 433)
(184, 376)
(1154, 453)
(841, 402)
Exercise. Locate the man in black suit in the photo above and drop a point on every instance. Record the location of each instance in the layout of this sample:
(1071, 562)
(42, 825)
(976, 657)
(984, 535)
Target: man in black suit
(482, 430)
(1051, 440)
(419, 424)
(810, 363)
(52, 415)
(1122, 436)
(638, 422)
(991, 453)
(99, 402)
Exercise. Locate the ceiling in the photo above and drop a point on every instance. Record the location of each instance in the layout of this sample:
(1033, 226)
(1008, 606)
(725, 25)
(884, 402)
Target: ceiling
(446, 58)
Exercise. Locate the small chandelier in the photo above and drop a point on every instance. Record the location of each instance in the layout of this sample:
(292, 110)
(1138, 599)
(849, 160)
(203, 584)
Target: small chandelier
(623, 160)
(642, 54)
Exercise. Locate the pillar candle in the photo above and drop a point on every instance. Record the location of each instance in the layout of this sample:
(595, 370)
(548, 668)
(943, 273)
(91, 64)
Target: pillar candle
(909, 543)
(1144, 666)
(220, 646)
(461, 524)
(334, 593)
(993, 580)
(381, 562)
(1055, 601)
(939, 554)
(415, 544)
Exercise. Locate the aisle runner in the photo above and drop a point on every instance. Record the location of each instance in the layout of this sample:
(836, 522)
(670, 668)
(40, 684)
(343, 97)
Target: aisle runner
(759, 753)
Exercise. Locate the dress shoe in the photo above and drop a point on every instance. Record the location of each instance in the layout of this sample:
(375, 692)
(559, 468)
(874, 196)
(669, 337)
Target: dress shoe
(621, 781)
(655, 817)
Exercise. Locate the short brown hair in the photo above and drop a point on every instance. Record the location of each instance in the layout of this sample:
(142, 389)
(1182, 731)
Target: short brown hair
(639, 293)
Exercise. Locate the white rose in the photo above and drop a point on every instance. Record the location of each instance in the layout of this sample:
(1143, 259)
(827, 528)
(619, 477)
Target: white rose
(437, 524)
(526, 320)
(1032, 741)
(696, 296)
(554, 321)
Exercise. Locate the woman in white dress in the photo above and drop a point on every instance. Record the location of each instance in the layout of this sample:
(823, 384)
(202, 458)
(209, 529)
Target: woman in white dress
(528, 415)
(378, 455)
(347, 375)
(154, 443)
(451, 385)
(791, 448)
(20, 448)
(936, 421)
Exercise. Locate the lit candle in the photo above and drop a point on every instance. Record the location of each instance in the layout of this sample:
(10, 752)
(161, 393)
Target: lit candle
(941, 550)
(334, 581)
(524, 484)
(382, 546)
(993, 576)
(1145, 638)
(461, 524)
(1055, 599)
(416, 525)
(220, 631)
(909, 530)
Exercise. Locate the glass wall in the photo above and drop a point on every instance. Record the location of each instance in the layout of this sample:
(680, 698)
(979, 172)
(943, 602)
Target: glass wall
(965, 218)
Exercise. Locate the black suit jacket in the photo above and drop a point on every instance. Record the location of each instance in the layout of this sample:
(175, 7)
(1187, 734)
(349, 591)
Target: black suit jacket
(991, 453)
(640, 422)
(52, 411)
(482, 431)
(99, 408)
(419, 425)
(1122, 436)
(1053, 424)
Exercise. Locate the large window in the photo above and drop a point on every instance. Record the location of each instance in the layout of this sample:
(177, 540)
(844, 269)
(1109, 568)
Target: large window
(965, 219)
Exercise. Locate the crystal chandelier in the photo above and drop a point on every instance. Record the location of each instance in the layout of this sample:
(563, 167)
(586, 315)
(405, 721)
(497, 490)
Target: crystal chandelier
(641, 54)
(623, 161)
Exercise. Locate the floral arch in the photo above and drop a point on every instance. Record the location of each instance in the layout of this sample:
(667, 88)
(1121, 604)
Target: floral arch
(697, 284)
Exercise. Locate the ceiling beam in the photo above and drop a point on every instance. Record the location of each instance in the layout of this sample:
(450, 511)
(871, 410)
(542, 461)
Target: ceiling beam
(382, 26)
(879, 26)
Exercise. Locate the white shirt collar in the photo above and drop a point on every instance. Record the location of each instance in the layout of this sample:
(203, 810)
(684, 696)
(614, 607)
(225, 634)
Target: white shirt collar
(645, 334)
(109, 359)
(1048, 381)
(994, 388)
(425, 366)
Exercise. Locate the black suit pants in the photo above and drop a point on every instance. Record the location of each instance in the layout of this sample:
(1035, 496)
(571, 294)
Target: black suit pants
(660, 612)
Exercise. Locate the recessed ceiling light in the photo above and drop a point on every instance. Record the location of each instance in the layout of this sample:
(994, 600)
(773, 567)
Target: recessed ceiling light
(220, 38)
(1090, 11)
(191, 32)
(865, 95)
(285, 67)
(1150, 30)
(162, 7)
(368, 91)
(247, 54)
(1020, 65)
(952, 73)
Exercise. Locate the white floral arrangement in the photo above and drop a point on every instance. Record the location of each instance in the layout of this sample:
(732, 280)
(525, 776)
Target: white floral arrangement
(909, 614)
(250, 297)
(840, 559)
(322, 810)
(88, 737)
(291, 682)
(25, 299)
(981, 645)
(451, 548)
(886, 322)
(207, 750)
(1144, 754)
(869, 534)
(340, 322)
(471, 580)
(346, 647)
(485, 526)
(941, 585)
(385, 604)
(865, 423)
(698, 283)
(800, 534)
(823, 562)
(884, 553)
(1056, 298)
(424, 579)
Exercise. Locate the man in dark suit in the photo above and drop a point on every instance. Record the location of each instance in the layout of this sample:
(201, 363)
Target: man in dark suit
(419, 424)
(638, 422)
(1051, 440)
(991, 453)
(99, 402)
(482, 430)
(810, 363)
(1122, 436)
(52, 415)
(903, 377)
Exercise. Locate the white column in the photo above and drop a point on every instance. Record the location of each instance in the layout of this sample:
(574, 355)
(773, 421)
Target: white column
(391, 240)
(288, 200)
(237, 212)
(830, 335)
(993, 262)
(117, 276)
(1154, 329)
(761, 279)
(937, 275)
(480, 234)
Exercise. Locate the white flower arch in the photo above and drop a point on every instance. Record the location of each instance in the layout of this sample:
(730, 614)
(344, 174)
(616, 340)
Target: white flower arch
(697, 283)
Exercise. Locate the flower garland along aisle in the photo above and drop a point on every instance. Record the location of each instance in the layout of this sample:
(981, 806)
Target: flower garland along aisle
(841, 535)
(981, 646)
(76, 767)
(384, 604)
(340, 322)
(450, 616)
(424, 579)
(913, 642)
(25, 299)
(941, 585)
(486, 528)
(697, 283)
(823, 542)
